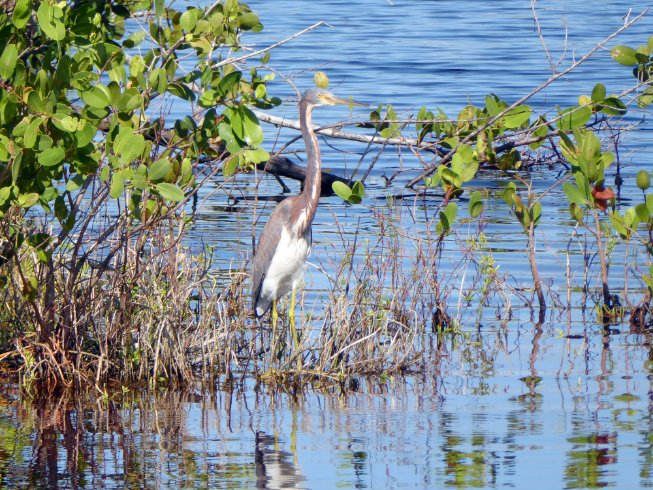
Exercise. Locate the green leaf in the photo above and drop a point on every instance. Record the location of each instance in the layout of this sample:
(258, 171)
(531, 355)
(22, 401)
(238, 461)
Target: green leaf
(186, 170)
(134, 40)
(44, 142)
(576, 212)
(226, 133)
(75, 183)
(117, 184)
(450, 177)
(514, 118)
(15, 167)
(50, 19)
(130, 100)
(139, 181)
(355, 199)
(574, 117)
(51, 156)
(358, 189)
(448, 217)
(248, 21)
(536, 213)
(234, 116)
(619, 224)
(469, 171)
(632, 218)
(189, 18)
(159, 169)
(252, 131)
(230, 166)
(96, 97)
(613, 106)
(60, 209)
(645, 99)
(8, 61)
(574, 194)
(158, 80)
(159, 6)
(649, 203)
(65, 122)
(494, 105)
(255, 155)
(476, 204)
(22, 13)
(541, 131)
(598, 93)
(228, 82)
(508, 192)
(35, 103)
(127, 145)
(171, 192)
(624, 55)
(342, 190)
(607, 158)
(85, 133)
(32, 132)
(182, 91)
(27, 200)
(20, 128)
(642, 212)
(5, 193)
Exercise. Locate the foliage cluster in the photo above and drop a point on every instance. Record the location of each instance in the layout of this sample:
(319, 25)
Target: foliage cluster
(491, 137)
(88, 171)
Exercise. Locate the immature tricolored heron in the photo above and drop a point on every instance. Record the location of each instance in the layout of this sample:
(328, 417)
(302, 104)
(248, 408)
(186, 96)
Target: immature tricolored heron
(285, 242)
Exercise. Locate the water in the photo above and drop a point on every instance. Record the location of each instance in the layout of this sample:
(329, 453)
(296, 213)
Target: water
(506, 403)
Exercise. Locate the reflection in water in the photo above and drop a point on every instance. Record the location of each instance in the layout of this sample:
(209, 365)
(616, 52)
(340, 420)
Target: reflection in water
(275, 469)
(568, 412)
(587, 458)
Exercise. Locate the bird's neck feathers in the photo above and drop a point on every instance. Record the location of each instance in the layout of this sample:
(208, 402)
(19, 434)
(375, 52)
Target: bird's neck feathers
(310, 195)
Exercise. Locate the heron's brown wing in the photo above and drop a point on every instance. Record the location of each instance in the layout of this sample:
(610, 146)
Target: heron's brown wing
(266, 248)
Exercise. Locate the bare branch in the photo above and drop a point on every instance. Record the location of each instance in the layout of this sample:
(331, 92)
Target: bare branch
(258, 52)
(541, 36)
(333, 132)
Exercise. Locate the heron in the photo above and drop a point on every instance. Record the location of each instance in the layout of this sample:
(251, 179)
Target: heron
(285, 243)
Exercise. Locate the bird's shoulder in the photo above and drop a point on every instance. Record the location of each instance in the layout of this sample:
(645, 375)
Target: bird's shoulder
(279, 220)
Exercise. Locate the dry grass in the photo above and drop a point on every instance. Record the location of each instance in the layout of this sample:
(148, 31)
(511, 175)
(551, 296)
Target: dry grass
(158, 314)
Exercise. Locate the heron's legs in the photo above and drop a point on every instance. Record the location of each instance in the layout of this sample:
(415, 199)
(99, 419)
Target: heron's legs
(274, 316)
(293, 330)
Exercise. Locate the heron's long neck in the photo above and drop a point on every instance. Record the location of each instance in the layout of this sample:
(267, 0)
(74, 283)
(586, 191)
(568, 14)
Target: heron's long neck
(312, 184)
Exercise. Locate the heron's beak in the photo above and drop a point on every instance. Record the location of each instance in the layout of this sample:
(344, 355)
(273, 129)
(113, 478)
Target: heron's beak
(333, 100)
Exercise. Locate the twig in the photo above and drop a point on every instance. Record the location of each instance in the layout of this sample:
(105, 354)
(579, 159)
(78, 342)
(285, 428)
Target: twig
(258, 52)
(541, 36)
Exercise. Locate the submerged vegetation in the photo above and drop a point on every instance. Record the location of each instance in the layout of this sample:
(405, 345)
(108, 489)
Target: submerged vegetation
(98, 187)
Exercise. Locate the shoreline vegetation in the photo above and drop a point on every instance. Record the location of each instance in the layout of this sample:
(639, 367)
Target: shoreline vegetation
(97, 194)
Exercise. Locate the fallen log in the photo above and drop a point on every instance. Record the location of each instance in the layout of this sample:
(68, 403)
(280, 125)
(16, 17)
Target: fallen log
(284, 167)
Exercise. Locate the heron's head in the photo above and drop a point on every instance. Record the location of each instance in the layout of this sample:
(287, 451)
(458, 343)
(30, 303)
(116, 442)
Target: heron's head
(323, 97)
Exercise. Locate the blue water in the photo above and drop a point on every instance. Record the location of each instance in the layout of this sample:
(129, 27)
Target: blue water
(504, 405)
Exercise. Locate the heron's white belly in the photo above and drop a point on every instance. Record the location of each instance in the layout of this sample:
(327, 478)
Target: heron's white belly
(287, 266)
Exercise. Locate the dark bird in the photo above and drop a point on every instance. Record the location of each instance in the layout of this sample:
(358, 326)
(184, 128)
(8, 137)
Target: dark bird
(285, 243)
